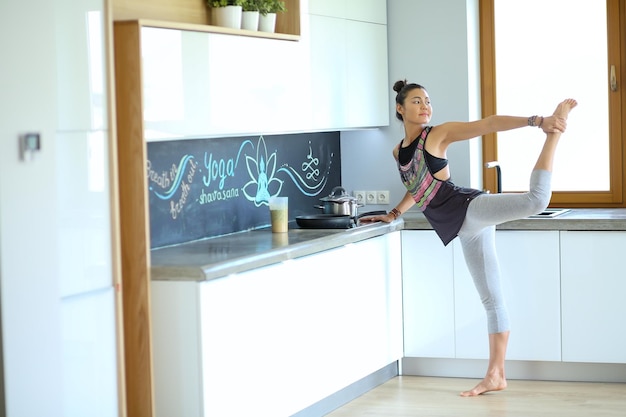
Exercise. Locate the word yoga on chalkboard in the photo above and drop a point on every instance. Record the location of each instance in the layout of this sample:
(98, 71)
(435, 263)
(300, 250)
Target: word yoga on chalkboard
(210, 187)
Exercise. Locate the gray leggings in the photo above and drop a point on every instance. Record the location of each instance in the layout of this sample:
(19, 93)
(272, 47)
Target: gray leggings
(478, 233)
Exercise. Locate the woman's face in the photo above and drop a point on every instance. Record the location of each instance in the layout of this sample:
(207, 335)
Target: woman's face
(416, 108)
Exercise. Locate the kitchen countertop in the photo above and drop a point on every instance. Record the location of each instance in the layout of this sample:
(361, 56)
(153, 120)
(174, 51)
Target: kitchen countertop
(575, 219)
(238, 252)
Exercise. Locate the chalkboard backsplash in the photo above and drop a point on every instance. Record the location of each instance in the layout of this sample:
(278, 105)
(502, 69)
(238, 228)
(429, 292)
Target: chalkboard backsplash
(210, 187)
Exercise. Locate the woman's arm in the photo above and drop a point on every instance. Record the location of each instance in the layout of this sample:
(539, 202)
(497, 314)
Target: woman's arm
(450, 132)
(406, 203)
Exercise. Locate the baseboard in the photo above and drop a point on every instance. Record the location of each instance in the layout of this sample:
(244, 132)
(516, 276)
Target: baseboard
(542, 371)
(351, 392)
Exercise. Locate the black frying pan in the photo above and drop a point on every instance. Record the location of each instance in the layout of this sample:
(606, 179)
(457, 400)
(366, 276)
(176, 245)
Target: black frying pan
(324, 221)
(331, 221)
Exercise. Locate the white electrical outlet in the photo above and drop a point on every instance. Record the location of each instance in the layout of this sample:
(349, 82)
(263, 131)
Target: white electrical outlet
(370, 197)
(382, 197)
(360, 197)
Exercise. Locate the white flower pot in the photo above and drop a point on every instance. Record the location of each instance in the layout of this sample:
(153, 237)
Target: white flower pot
(250, 20)
(267, 23)
(229, 16)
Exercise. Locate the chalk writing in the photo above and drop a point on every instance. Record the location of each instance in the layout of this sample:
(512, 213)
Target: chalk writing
(173, 182)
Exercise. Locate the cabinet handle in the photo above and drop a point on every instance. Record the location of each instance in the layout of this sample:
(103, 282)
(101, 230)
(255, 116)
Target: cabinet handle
(613, 79)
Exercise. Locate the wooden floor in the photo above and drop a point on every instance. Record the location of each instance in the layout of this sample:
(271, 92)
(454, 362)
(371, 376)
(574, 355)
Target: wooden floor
(439, 397)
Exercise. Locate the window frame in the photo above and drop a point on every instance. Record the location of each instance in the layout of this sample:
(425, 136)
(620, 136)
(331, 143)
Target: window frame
(616, 33)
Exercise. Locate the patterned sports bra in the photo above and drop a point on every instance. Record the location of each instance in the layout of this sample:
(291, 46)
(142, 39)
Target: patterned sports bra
(444, 204)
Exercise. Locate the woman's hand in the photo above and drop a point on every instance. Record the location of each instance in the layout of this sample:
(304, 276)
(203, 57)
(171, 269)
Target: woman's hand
(387, 218)
(552, 124)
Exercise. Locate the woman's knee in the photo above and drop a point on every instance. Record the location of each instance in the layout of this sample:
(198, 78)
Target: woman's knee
(538, 201)
(540, 190)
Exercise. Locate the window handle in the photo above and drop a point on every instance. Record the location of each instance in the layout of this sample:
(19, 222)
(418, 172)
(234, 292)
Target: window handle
(613, 79)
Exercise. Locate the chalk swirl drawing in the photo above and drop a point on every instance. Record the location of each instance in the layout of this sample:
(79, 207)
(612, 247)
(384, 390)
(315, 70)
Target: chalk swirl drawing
(263, 174)
(177, 175)
(312, 184)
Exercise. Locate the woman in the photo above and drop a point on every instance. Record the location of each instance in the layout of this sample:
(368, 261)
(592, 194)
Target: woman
(464, 212)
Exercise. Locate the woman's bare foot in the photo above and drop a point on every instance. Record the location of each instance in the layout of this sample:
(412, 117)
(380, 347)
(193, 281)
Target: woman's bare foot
(553, 132)
(564, 107)
(490, 383)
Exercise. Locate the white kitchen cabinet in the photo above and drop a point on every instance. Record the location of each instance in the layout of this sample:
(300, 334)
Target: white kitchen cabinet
(198, 84)
(84, 244)
(81, 65)
(593, 288)
(283, 336)
(374, 11)
(530, 271)
(58, 354)
(90, 355)
(328, 72)
(349, 75)
(443, 315)
(367, 79)
(428, 295)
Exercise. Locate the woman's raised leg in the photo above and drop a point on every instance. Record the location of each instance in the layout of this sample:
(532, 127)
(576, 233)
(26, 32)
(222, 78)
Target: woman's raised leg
(495, 378)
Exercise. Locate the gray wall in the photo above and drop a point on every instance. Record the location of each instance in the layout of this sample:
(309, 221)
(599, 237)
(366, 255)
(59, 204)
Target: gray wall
(434, 44)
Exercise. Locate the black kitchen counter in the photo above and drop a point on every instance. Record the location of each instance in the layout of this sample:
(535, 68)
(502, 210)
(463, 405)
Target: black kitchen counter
(224, 255)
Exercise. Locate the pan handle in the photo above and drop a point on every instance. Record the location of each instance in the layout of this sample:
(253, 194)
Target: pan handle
(372, 213)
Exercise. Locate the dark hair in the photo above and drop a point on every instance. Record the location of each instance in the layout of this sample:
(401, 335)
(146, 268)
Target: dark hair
(402, 87)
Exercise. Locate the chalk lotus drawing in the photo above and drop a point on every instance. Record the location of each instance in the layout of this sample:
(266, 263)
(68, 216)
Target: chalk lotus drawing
(263, 184)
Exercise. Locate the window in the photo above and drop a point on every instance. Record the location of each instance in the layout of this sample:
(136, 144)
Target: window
(534, 54)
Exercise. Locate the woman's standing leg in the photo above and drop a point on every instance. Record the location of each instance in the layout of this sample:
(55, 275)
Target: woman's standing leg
(482, 262)
(480, 254)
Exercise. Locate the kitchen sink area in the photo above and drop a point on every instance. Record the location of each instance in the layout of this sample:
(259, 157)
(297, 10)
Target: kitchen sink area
(549, 219)
(550, 213)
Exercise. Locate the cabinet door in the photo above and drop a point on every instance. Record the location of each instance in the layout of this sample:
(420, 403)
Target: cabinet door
(248, 330)
(428, 295)
(374, 11)
(349, 76)
(367, 101)
(329, 8)
(199, 84)
(328, 72)
(89, 355)
(291, 334)
(256, 85)
(529, 264)
(593, 290)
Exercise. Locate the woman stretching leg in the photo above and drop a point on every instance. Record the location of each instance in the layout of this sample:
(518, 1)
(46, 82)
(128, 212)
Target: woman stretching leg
(468, 213)
(477, 236)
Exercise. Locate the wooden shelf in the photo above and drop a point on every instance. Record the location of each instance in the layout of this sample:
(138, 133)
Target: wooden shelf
(195, 15)
(212, 29)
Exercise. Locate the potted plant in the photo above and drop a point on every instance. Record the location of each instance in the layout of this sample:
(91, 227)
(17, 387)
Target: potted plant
(250, 15)
(226, 13)
(268, 10)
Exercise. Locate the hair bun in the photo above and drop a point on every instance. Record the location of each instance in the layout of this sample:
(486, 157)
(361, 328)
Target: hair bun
(399, 85)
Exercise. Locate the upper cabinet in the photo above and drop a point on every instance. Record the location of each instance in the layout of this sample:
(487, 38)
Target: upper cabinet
(349, 71)
(374, 11)
(198, 82)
